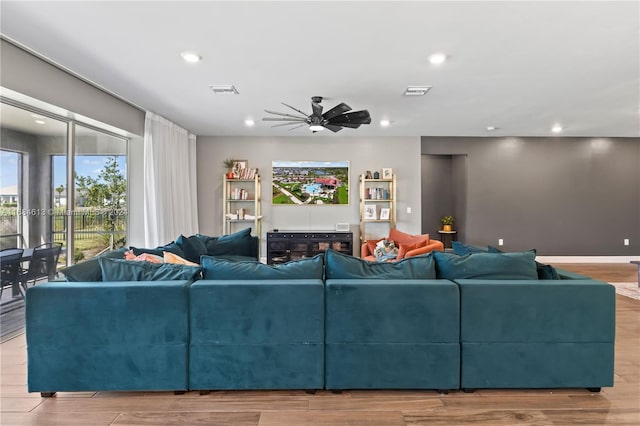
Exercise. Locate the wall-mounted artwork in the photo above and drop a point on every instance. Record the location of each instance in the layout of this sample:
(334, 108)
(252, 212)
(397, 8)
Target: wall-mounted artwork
(310, 182)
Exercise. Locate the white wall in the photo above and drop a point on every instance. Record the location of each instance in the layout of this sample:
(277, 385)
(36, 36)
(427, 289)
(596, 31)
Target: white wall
(400, 153)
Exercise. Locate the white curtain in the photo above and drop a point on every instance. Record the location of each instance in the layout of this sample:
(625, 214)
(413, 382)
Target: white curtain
(170, 191)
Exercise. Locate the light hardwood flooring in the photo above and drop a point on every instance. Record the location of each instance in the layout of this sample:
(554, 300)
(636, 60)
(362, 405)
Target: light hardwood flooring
(619, 405)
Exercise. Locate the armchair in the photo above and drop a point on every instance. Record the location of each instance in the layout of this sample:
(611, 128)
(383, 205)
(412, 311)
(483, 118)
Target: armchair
(409, 245)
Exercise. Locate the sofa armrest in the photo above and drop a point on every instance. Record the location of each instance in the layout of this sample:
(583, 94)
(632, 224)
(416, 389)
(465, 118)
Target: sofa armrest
(364, 251)
(433, 245)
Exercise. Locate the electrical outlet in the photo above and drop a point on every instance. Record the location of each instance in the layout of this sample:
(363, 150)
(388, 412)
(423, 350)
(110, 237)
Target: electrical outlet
(500, 242)
(409, 210)
(626, 241)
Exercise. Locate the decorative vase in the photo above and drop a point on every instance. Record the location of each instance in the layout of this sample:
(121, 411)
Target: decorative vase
(230, 175)
(446, 228)
(376, 175)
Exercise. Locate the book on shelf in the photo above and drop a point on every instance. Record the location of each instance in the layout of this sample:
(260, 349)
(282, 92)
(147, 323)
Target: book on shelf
(248, 173)
(377, 194)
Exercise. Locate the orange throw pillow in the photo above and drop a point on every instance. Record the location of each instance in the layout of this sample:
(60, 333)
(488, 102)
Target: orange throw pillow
(404, 248)
(403, 238)
(371, 244)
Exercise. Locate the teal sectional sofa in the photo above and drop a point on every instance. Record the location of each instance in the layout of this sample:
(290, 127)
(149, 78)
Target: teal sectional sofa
(328, 322)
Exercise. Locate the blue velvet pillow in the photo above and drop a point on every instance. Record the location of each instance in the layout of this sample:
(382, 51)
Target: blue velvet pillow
(545, 272)
(219, 268)
(342, 266)
(128, 270)
(239, 243)
(486, 266)
(89, 270)
(171, 247)
(193, 247)
(462, 249)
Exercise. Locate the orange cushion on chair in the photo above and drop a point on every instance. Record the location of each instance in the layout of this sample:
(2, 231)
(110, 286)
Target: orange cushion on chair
(400, 237)
(405, 248)
(372, 245)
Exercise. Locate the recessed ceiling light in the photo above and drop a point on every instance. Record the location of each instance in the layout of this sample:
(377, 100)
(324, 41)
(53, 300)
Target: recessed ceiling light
(40, 121)
(385, 123)
(316, 128)
(557, 128)
(491, 128)
(191, 57)
(437, 58)
(249, 122)
(416, 90)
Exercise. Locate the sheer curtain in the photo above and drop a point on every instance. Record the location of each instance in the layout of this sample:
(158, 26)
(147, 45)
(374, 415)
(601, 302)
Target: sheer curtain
(170, 191)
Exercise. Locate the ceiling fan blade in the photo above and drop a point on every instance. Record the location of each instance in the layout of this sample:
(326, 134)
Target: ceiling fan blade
(298, 126)
(317, 109)
(289, 123)
(333, 128)
(349, 125)
(295, 109)
(284, 114)
(301, 120)
(336, 110)
(358, 117)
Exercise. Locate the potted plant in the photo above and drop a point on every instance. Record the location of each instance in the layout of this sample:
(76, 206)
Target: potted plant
(228, 164)
(447, 223)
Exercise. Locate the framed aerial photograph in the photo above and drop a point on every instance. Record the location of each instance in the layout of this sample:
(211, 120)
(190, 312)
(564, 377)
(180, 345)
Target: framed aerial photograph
(301, 183)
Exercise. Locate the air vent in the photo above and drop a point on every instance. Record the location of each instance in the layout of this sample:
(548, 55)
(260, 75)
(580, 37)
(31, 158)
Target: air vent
(416, 90)
(228, 89)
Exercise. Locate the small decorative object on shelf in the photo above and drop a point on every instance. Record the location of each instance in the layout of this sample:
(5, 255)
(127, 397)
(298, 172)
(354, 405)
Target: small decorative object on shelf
(447, 223)
(376, 175)
(387, 173)
(368, 174)
(228, 164)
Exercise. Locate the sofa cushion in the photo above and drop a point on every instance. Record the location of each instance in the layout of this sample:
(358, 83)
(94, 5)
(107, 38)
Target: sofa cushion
(462, 249)
(221, 268)
(239, 243)
(123, 270)
(545, 272)
(89, 270)
(505, 266)
(193, 247)
(342, 266)
(158, 251)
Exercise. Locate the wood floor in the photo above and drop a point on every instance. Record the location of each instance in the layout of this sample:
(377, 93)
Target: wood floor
(619, 405)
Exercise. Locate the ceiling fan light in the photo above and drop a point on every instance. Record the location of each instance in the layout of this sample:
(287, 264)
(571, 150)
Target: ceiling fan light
(316, 128)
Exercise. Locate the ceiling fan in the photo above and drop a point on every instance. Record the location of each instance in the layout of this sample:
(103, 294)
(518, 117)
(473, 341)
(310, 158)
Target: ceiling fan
(334, 119)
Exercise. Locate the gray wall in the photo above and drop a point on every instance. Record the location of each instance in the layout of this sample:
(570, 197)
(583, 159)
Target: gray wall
(562, 196)
(400, 153)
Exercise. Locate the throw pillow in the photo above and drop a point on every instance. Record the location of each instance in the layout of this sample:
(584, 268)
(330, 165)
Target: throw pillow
(169, 257)
(122, 270)
(496, 266)
(89, 270)
(463, 249)
(144, 257)
(342, 266)
(239, 243)
(218, 268)
(158, 251)
(405, 248)
(545, 272)
(193, 247)
(385, 250)
(371, 245)
(400, 237)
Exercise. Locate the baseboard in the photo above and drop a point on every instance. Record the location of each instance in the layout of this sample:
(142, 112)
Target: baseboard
(586, 259)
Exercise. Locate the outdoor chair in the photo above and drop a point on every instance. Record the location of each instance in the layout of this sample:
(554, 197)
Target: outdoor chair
(43, 264)
(10, 265)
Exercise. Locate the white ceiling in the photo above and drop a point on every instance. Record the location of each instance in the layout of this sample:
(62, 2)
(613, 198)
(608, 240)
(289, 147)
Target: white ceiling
(519, 66)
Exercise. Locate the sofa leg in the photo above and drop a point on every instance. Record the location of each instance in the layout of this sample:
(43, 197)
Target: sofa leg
(205, 392)
(443, 391)
(47, 394)
(310, 391)
(468, 390)
(593, 389)
(178, 392)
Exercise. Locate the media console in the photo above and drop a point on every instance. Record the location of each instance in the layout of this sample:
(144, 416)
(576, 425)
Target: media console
(283, 246)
